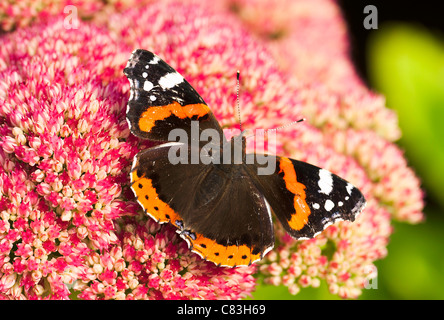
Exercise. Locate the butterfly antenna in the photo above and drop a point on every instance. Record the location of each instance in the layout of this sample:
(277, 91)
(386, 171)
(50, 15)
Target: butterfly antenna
(276, 129)
(237, 99)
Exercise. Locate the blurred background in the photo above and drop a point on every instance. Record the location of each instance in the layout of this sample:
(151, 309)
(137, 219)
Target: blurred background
(404, 60)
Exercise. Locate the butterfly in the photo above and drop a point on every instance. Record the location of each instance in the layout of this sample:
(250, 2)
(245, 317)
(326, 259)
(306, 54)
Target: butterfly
(222, 209)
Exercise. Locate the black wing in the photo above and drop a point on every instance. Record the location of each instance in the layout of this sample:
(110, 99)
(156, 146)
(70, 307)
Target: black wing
(162, 100)
(306, 199)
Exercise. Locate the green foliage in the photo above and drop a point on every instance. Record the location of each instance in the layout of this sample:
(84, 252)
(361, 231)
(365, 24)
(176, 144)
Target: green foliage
(413, 267)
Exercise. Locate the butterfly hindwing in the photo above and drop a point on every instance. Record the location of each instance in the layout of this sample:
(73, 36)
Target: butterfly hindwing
(219, 212)
(306, 199)
(162, 100)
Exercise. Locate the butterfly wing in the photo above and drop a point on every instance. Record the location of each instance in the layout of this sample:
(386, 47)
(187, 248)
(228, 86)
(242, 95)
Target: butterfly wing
(219, 212)
(306, 199)
(162, 100)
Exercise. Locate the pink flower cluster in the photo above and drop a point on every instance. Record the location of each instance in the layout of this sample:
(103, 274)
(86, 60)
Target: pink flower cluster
(153, 262)
(69, 223)
(65, 155)
(18, 14)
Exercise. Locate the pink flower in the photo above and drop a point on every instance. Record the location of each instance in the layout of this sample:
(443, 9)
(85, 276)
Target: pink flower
(141, 275)
(67, 216)
(14, 14)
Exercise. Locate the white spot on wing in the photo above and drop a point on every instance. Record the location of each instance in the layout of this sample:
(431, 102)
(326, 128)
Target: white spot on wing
(325, 182)
(170, 80)
(349, 188)
(147, 85)
(328, 205)
(316, 205)
(155, 60)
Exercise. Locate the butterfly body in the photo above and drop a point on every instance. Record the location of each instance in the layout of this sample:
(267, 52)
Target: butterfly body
(214, 192)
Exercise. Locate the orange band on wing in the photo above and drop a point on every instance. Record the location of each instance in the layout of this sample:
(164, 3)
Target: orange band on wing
(152, 114)
(208, 249)
(300, 218)
(223, 255)
(149, 199)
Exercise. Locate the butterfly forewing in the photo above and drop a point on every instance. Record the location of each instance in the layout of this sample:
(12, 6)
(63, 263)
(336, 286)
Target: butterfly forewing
(161, 99)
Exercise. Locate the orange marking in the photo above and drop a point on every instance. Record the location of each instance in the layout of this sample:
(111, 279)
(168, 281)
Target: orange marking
(152, 114)
(209, 249)
(148, 197)
(223, 255)
(300, 218)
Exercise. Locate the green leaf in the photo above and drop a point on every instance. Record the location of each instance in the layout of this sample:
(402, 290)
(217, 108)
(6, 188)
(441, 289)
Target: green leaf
(269, 292)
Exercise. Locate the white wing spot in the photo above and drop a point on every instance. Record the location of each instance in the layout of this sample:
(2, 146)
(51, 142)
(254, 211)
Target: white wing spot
(144, 74)
(316, 205)
(153, 98)
(329, 205)
(349, 188)
(325, 182)
(340, 203)
(154, 61)
(170, 80)
(147, 86)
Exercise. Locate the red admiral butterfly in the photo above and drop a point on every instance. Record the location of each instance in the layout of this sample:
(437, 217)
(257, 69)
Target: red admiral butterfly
(222, 210)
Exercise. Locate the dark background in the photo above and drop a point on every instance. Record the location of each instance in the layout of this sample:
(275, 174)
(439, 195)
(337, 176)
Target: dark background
(425, 12)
